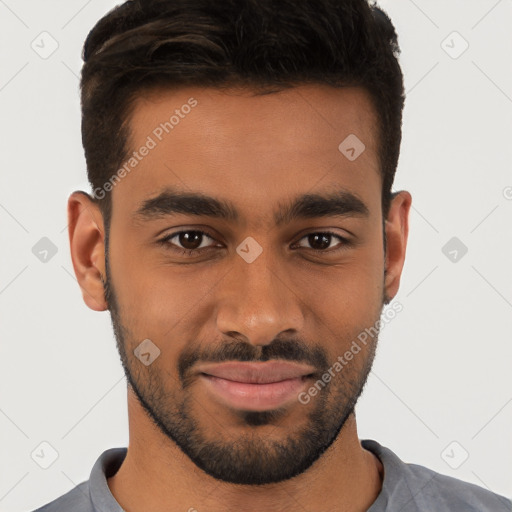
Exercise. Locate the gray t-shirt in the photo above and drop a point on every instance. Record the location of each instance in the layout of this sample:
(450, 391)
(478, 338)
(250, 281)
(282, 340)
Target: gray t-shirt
(406, 488)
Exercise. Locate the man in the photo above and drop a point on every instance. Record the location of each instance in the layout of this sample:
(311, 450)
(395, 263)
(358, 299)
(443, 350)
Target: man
(243, 235)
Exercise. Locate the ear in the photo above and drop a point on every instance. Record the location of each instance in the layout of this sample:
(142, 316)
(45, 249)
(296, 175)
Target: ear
(397, 230)
(86, 240)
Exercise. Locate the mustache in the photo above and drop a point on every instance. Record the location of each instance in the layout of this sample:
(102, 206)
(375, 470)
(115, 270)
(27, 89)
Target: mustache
(290, 350)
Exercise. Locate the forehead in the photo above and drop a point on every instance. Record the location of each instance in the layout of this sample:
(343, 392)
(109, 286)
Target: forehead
(295, 115)
(250, 148)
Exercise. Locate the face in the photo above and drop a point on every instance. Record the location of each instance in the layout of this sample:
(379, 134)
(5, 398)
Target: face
(245, 234)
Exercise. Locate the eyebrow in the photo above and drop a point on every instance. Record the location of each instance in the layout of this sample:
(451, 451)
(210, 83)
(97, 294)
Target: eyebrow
(308, 206)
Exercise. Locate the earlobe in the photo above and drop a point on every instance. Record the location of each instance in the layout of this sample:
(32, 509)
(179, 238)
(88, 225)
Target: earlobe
(86, 240)
(397, 231)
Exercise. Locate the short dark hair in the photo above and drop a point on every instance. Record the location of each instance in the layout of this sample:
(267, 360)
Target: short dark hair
(264, 45)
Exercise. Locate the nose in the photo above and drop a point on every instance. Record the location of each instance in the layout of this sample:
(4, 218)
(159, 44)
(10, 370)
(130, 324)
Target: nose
(258, 301)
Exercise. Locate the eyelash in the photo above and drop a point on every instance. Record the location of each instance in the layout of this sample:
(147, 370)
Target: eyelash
(191, 252)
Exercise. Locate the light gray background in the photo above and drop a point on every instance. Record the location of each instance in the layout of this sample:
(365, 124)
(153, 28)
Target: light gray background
(443, 367)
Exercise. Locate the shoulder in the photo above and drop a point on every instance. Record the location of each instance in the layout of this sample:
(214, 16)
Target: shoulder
(94, 492)
(448, 493)
(412, 488)
(77, 500)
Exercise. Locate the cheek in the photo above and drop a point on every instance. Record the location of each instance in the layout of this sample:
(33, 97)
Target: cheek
(341, 301)
(344, 299)
(157, 301)
(356, 279)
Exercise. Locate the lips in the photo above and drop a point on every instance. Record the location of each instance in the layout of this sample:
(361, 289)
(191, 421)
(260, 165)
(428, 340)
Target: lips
(255, 386)
(257, 373)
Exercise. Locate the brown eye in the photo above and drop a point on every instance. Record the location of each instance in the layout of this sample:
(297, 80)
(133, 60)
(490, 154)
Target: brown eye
(322, 241)
(190, 239)
(188, 242)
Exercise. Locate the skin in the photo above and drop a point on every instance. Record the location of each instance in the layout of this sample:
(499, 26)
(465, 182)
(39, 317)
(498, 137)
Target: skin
(257, 152)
